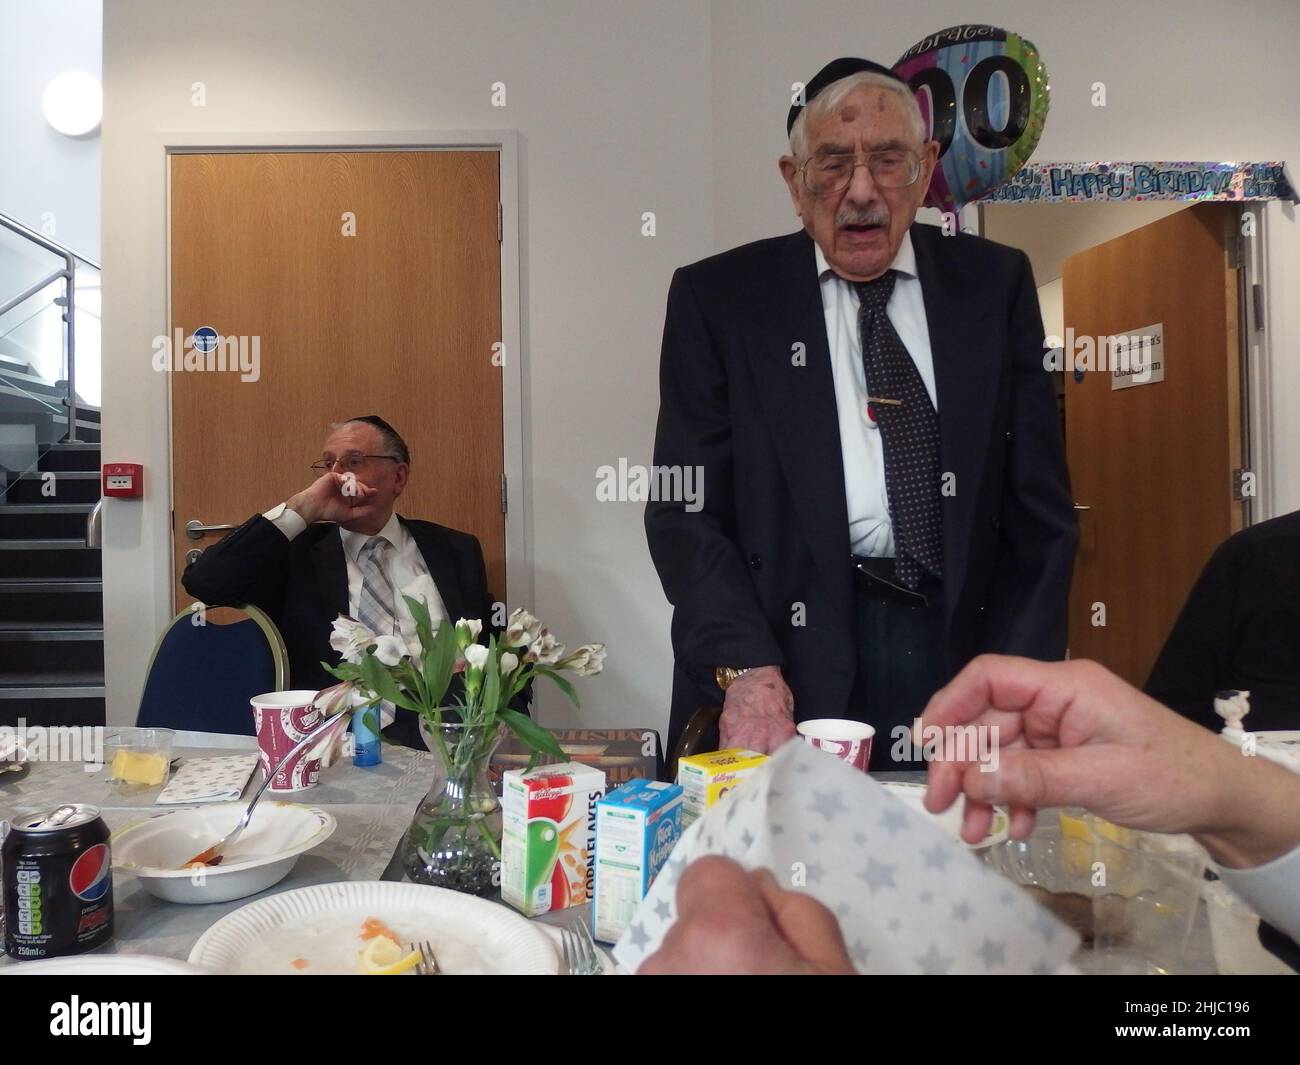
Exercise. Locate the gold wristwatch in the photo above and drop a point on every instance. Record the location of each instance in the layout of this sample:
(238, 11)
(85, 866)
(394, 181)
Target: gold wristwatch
(724, 675)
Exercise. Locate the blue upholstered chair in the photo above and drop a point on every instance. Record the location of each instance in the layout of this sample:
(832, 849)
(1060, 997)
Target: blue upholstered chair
(201, 677)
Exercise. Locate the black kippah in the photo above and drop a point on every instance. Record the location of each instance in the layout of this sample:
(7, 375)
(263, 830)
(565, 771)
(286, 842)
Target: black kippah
(832, 72)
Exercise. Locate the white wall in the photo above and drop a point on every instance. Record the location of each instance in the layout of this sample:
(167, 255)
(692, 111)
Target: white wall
(1049, 233)
(1193, 80)
(48, 181)
(45, 172)
(622, 107)
(612, 104)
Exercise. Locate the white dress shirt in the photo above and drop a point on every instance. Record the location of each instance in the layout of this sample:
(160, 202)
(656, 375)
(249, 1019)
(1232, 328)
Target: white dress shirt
(405, 567)
(1271, 889)
(870, 530)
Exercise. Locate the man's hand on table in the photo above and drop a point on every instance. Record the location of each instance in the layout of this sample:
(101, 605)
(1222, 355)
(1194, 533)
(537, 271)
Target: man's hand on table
(1074, 734)
(337, 497)
(757, 711)
(733, 922)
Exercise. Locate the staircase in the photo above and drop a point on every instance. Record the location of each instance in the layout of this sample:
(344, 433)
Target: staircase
(51, 605)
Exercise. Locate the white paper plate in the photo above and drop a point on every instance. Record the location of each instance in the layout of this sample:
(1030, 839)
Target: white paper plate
(913, 795)
(608, 966)
(1280, 747)
(279, 832)
(321, 926)
(103, 965)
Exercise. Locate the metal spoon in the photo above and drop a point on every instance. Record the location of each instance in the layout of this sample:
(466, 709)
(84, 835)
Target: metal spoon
(214, 854)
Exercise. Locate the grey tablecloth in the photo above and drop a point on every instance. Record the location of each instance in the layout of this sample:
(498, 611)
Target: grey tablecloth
(373, 806)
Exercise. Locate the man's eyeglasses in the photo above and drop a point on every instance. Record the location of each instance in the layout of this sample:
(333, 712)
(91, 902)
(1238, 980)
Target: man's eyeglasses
(891, 168)
(350, 462)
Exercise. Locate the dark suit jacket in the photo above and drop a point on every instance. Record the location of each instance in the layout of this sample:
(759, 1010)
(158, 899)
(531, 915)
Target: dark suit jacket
(303, 585)
(770, 546)
(1240, 628)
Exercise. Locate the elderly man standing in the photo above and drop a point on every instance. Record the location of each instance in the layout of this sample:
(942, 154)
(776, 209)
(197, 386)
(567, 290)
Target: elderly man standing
(885, 493)
(339, 547)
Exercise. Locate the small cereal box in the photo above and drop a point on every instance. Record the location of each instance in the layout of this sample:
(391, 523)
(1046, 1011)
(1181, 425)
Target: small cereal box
(548, 838)
(705, 778)
(636, 828)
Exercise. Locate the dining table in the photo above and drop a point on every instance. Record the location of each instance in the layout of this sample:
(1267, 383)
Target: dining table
(372, 806)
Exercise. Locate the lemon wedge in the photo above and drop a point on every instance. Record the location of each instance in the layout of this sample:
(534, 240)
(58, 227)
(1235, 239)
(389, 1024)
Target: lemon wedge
(383, 957)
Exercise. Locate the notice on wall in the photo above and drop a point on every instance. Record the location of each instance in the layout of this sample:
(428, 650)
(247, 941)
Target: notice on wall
(1137, 357)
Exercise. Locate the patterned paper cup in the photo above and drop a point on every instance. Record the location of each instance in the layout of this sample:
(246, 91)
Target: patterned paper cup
(281, 720)
(847, 740)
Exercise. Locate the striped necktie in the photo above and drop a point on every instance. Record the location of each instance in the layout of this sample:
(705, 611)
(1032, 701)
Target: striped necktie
(376, 607)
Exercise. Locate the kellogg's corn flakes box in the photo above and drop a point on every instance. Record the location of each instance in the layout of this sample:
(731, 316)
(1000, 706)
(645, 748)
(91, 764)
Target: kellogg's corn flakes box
(548, 837)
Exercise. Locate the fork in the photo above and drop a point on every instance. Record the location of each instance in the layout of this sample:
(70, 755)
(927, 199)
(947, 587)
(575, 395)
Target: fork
(580, 957)
(428, 964)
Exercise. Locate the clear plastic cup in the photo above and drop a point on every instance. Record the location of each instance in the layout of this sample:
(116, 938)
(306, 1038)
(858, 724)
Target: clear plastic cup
(137, 759)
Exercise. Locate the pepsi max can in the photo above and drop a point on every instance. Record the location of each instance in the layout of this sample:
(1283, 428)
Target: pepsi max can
(58, 883)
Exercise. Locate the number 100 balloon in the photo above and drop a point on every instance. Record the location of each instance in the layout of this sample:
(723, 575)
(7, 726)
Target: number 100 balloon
(984, 93)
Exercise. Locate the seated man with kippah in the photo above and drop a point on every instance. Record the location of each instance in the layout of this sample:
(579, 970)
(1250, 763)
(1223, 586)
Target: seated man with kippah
(338, 547)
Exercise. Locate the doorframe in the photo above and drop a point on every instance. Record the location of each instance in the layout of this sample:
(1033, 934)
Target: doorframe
(514, 409)
(1257, 362)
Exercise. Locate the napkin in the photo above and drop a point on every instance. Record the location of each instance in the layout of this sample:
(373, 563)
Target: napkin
(909, 899)
(12, 753)
(220, 779)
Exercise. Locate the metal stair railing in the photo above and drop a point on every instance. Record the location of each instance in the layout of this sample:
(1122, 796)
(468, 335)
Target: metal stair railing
(68, 275)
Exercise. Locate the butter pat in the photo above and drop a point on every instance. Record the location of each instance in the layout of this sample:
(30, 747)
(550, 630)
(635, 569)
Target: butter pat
(138, 767)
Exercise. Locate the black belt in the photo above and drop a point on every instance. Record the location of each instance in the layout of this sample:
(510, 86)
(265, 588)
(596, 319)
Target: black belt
(876, 577)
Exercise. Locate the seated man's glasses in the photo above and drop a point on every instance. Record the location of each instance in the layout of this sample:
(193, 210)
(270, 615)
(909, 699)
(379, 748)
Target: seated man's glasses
(349, 463)
(890, 168)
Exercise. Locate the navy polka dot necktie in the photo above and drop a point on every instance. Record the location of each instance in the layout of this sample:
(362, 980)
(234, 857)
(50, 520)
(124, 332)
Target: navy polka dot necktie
(909, 431)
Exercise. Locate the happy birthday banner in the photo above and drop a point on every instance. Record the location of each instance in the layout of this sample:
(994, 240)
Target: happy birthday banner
(1114, 182)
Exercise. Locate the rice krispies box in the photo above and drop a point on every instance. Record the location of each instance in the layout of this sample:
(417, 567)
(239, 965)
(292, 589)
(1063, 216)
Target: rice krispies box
(548, 838)
(637, 827)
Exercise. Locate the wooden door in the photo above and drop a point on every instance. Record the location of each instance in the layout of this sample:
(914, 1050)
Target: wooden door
(1152, 462)
(372, 283)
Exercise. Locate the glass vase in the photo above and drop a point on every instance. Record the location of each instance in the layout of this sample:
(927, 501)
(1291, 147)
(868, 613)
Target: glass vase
(454, 840)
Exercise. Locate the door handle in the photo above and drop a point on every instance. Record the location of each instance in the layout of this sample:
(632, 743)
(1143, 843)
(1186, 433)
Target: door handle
(196, 530)
(1080, 506)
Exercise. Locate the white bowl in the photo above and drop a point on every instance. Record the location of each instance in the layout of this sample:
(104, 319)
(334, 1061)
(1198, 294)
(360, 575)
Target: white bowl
(153, 851)
(913, 795)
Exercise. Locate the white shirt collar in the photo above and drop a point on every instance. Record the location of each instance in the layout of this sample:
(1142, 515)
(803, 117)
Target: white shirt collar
(353, 542)
(904, 262)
